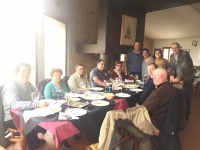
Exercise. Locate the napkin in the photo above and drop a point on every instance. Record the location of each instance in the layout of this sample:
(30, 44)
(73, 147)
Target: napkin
(41, 112)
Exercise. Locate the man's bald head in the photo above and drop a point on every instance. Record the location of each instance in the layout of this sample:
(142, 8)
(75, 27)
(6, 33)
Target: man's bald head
(159, 76)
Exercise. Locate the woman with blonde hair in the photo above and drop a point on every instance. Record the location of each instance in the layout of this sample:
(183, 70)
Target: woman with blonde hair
(55, 89)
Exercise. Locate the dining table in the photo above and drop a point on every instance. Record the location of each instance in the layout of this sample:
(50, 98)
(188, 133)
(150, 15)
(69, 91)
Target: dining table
(88, 125)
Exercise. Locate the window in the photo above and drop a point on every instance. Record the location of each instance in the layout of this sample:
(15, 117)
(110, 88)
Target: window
(54, 45)
(167, 51)
(18, 31)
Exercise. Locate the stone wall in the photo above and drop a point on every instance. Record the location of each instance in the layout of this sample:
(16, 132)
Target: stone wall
(86, 14)
(148, 43)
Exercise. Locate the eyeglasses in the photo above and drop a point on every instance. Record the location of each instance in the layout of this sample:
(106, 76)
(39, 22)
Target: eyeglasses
(119, 65)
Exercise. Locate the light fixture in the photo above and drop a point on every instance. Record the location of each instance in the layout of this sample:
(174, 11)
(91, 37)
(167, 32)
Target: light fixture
(122, 57)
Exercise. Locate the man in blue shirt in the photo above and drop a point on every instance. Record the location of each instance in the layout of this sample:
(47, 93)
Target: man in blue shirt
(98, 75)
(134, 60)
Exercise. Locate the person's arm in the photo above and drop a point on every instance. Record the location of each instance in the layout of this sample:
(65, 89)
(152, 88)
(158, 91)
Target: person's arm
(13, 99)
(48, 91)
(184, 66)
(146, 92)
(170, 69)
(112, 74)
(97, 81)
(127, 62)
(111, 80)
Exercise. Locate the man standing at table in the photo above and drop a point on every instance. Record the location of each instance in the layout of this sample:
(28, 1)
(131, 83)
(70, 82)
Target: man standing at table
(78, 82)
(134, 60)
(181, 68)
(98, 75)
(17, 95)
(158, 101)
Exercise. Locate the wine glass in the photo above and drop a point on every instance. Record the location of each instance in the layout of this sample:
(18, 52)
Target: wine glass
(68, 98)
(105, 84)
(136, 77)
(35, 96)
(58, 91)
(121, 84)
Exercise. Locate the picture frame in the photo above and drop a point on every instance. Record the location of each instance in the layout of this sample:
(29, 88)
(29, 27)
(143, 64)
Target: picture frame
(128, 30)
(188, 50)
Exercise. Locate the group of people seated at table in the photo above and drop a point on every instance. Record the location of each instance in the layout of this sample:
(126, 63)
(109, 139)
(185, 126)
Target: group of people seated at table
(155, 96)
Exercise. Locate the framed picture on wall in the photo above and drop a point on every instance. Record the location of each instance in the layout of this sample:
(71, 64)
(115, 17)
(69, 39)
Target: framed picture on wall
(128, 30)
(188, 50)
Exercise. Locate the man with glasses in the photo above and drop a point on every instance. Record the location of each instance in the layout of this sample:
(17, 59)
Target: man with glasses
(98, 75)
(77, 81)
(181, 68)
(134, 60)
(17, 95)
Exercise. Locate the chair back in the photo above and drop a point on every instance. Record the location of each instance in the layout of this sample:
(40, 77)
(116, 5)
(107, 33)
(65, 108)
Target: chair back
(2, 136)
(65, 80)
(41, 85)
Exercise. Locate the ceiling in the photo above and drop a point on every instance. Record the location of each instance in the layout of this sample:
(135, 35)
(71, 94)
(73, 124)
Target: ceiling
(173, 23)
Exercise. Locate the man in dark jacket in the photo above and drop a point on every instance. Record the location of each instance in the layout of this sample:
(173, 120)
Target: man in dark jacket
(149, 86)
(181, 68)
(158, 101)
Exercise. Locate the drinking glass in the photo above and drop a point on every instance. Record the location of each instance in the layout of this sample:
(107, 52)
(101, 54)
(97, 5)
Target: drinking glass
(58, 91)
(35, 96)
(121, 84)
(136, 77)
(68, 98)
(105, 83)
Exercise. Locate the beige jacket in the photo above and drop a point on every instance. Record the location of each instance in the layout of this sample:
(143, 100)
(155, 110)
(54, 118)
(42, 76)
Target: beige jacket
(139, 116)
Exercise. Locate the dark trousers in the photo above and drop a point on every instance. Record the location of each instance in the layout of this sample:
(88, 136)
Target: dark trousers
(32, 138)
(137, 73)
(188, 89)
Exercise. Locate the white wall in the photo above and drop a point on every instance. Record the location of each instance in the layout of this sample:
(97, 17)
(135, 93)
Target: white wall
(185, 43)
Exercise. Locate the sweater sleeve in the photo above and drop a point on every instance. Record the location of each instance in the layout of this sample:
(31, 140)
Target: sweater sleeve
(147, 91)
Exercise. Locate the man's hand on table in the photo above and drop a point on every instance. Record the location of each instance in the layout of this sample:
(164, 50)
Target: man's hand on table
(43, 104)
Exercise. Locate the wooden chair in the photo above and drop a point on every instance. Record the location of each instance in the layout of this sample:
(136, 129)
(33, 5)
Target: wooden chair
(2, 148)
(126, 135)
(196, 90)
(13, 138)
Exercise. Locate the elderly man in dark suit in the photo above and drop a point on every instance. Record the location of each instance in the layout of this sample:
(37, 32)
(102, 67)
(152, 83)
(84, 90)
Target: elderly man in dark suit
(181, 68)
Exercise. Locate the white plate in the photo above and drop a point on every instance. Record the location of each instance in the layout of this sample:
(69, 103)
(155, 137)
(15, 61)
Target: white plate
(61, 101)
(75, 99)
(92, 96)
(96, 88)
(100, 103)
(131, 86)
(123, 95)
(75, 112)
(50, 101)
(74, 94)
(136, 90)
(55, 108)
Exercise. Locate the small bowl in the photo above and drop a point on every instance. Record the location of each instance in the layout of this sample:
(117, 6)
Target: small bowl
(109, 96)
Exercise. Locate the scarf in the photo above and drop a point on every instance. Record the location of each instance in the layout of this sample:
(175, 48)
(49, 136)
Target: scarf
(119, 74)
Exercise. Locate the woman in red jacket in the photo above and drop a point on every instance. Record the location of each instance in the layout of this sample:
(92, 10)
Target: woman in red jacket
(117, 73)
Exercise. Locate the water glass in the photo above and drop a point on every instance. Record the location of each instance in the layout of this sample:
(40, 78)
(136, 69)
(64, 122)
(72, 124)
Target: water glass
(68, 98)
(35, 96)
(58, 91)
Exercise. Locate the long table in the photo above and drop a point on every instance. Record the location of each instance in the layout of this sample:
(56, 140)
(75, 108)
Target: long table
(89, 125)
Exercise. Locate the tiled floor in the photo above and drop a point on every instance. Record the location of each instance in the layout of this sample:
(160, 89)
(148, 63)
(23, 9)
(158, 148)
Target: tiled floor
(190, 137)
